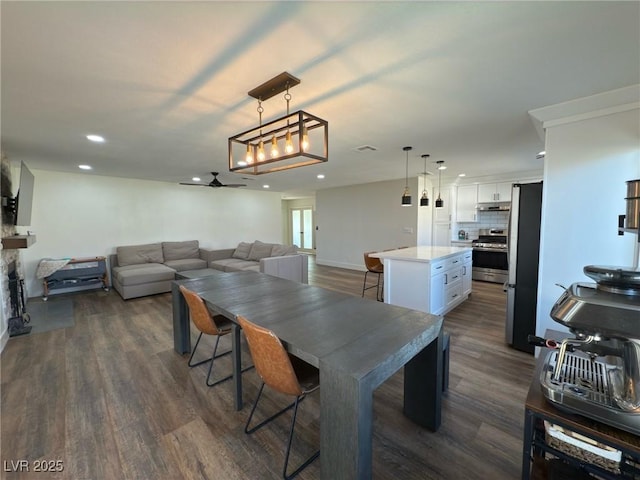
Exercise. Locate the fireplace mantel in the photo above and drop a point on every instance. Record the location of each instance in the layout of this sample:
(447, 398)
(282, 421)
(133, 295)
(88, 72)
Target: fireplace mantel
(18, 241)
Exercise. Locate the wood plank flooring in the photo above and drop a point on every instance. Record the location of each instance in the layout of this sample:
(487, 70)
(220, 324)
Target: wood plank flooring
(111, 399)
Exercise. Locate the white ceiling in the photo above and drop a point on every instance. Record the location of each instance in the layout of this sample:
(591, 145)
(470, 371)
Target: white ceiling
(166, 82)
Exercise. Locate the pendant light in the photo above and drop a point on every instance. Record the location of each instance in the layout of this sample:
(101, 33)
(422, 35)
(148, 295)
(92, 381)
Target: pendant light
(406, 198)
(424, 200)
(439, 201)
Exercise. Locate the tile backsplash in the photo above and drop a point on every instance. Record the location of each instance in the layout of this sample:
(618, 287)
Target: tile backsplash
(485, 220)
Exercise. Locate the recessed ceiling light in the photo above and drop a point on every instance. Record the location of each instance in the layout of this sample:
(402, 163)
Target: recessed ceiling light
(84, 167)
(442, 167)
(196, 179)
(543, 152)
(462, 174)
(95, 138)
(265, 186)
(320, 176)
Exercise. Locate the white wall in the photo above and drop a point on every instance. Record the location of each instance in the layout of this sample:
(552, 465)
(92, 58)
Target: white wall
(360, 218)
(586, 165)
(85, 215)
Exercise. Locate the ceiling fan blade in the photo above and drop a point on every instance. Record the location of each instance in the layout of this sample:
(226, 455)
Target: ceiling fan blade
(195, 184)
(234, 185)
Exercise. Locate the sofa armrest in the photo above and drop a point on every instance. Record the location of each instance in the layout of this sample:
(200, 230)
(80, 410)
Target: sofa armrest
(291, 267)
(210, 255)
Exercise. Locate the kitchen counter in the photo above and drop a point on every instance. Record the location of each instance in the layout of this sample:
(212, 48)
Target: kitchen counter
(426, 278)
(426, 254)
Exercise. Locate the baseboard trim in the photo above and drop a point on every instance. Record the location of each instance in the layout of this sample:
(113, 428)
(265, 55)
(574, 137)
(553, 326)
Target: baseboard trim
(348, 266)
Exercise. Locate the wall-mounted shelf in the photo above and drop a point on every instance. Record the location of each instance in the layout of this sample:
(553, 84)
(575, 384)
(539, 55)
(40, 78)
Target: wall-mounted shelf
(18, 241)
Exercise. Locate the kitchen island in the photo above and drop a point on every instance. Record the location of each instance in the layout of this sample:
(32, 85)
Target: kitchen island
(430, 279)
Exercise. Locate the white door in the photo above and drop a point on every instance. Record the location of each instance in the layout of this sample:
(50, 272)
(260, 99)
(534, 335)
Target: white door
(302, 228)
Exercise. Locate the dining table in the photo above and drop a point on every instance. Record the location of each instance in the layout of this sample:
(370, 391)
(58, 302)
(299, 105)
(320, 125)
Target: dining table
(356, 344)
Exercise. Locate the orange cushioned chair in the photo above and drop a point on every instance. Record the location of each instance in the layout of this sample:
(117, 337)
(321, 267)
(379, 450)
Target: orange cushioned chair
(374, 265)
(207, 324)
(284, 373)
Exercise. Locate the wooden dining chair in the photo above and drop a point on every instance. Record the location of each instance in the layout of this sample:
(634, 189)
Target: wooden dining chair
(373, 265)
(207, 324)
(284, 373)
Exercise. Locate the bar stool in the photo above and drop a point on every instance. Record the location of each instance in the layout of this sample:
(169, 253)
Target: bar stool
(373, 265)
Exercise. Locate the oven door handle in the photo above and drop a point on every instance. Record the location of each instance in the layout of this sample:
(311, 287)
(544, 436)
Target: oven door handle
(496, 250)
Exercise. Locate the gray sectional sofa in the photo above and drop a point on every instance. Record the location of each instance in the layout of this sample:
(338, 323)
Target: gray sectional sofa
(139, 270)
(271, 258)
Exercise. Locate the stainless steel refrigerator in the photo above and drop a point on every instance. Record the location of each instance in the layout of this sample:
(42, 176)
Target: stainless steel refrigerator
(523, 246)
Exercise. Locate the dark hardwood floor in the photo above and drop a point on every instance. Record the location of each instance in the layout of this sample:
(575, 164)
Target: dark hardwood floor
(109, 398)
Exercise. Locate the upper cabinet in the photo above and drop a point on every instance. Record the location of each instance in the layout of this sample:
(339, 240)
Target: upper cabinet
(494, 192)
(467, 201)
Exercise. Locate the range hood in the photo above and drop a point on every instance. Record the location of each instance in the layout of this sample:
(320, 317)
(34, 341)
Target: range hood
(494, 207)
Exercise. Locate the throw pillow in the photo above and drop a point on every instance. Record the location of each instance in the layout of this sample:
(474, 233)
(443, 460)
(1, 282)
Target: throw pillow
(279, 250)
(260, 250)
(242, 251)
(180, 250)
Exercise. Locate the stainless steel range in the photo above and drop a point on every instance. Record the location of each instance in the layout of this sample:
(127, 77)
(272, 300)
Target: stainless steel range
(597, 373)
(490, 256)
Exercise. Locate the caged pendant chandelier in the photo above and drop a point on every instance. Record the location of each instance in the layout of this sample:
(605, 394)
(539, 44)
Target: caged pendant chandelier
(439, 201)
(406, 197)
(295, 139)
(424, 200)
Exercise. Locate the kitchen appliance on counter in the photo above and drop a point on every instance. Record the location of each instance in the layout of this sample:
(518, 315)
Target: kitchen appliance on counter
(597, 373)
(490, 255)
(523, 253)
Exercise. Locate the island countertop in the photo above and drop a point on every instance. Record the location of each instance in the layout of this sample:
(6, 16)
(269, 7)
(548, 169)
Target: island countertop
(425, 254)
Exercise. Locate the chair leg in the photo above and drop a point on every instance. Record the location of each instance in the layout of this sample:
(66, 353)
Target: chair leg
(264, 422)
(379, 290)
(286, 458)
(364, 284)
(213, 357)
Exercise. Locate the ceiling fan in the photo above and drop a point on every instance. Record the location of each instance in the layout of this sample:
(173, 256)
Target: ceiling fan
(215, 183)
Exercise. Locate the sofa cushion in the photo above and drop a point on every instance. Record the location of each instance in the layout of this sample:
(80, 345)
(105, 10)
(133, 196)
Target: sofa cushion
(146, 273)
(242, 251)
(180, 250)
(231, 264)
(186, 264)
(139, 254)
(260, 250)
(247, 267)
(279, 250)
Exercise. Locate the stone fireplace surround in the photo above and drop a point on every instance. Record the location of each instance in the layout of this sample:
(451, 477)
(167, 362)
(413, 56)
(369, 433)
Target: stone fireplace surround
(6, 255)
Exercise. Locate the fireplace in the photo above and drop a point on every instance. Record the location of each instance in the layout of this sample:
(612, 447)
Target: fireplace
(19, 316)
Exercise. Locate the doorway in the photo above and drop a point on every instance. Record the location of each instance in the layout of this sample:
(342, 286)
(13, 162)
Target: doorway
(301, 228)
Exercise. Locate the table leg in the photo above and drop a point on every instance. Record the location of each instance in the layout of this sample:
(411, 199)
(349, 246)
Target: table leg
(423, 385)
(346, 431)
(181, 324)
(237, 365)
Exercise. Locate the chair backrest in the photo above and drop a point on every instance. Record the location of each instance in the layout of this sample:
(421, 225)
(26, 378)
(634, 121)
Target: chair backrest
(200, 314)
(270, 358)
(372, 263)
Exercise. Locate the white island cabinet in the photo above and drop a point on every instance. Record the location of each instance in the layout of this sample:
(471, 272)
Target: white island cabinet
(430, 279)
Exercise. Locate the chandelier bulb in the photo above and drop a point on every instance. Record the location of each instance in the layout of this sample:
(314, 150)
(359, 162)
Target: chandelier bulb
(288, 145)
(274, 147)
(260, 154)
(249, 156)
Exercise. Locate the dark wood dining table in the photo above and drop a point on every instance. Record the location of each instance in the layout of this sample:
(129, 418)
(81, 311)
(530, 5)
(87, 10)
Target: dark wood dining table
(356, 343)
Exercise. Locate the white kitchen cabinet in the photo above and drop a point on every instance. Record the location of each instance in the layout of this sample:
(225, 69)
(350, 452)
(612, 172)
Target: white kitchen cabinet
(442, 234)
(466, 204)
(429, 279)
(494, 192)
(466, 273)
